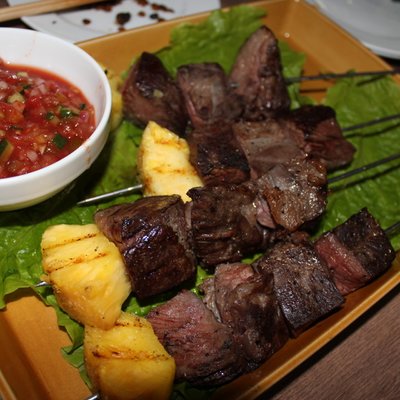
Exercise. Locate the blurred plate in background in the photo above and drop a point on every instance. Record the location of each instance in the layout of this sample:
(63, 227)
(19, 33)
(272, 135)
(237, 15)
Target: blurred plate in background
(376, 23)
(90, 22)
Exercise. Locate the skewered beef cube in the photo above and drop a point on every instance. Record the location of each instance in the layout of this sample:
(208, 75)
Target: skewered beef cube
(223, 221)
(246, 302)
(295, 192)
(205, 90)
(323, 135)
(268, 143)
(256, 77)
(303, 284)
(217, 156)
(203, 348)
(152, 236)
(150, 94)
(356, 252)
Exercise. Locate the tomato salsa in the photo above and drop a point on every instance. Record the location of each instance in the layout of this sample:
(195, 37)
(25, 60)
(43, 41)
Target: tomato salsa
(43, 118)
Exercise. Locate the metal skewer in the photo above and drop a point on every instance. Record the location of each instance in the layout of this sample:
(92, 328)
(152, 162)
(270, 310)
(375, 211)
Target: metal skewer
(111, 195)
(363, 168)
(139, 187)
(350, 74)
(393, 228)
(371, 123)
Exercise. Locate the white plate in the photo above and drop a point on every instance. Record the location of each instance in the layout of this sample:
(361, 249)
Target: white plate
(90, 22)
(376, 23)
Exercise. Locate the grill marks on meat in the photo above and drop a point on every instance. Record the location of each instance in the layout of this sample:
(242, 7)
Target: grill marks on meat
(217, 156)
(323, 135)
(246, 302)
(295, 193)
(153, 239)
(150, 94)
(214, 150)
(229, 222)
(223, 222)
(206, 94)
(257, 79)
(303, 284)
(203, 348)
(356, 251)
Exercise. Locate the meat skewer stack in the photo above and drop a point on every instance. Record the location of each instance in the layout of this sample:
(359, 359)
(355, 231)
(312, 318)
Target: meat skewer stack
(265, 174)
(249, 311)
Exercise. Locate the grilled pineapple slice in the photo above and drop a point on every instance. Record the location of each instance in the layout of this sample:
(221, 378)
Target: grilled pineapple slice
(87, 273)
(163, 163)
(128, 362)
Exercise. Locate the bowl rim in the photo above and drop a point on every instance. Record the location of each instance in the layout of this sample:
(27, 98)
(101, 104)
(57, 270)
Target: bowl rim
(101, 121)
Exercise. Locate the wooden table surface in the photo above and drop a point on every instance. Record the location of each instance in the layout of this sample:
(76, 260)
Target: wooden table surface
(362, 363)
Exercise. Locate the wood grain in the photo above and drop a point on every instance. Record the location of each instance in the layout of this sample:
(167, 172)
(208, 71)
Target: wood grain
(40, 7)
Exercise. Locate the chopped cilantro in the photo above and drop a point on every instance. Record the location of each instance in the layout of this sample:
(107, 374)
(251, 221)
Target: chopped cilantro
(59, 140)
(67, 112)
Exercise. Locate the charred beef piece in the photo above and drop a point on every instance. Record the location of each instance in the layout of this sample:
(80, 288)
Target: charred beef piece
(323, 135)
(152, 236)
(204, 351)
(206, 93)
(303, 284)
(356, 251)
(295, 192)
(229, 222)
(268, 143)
(150, 94)
(246, 302)
(224, 223)
(217, 156)
(257, 79)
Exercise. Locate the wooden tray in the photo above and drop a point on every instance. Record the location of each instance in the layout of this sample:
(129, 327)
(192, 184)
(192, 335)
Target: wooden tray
(30, 340)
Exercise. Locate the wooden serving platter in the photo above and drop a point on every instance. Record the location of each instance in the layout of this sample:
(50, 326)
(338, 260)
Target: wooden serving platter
(30, 341)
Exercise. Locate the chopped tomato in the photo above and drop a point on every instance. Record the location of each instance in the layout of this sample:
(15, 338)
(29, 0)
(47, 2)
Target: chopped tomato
(43, 118)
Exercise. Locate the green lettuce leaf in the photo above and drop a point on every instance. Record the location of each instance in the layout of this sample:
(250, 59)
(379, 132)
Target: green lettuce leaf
(358, 100)
(217, 39)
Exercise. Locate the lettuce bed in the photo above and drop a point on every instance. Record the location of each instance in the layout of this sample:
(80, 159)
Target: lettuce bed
(217, 39)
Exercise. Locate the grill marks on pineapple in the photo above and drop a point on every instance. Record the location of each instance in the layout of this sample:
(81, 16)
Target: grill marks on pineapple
(86, 272)
(85, 253)
(129, 354)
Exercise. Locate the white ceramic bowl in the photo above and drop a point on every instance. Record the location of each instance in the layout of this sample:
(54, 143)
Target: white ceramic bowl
(36, 49)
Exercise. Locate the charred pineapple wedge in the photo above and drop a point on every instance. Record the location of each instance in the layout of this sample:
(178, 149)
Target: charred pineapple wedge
(128, 362)
(86, 272)
(163, 163)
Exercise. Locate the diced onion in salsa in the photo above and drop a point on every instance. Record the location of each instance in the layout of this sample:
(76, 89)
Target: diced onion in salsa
(43, 118)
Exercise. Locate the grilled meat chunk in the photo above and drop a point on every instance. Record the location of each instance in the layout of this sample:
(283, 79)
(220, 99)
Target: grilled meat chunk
(256, 77)
(307, 131)
(217, 156)
(303, 284)
(150, 94)
(323, 135)
(204, 351)
(223, 221)
(268, 143)
(246, 302)
(295, 193)
(206, 93)
(152, 236)
(356, 251)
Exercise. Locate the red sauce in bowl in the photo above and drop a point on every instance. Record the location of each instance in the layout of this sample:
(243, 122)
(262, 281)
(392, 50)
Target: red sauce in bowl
(43, 118)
